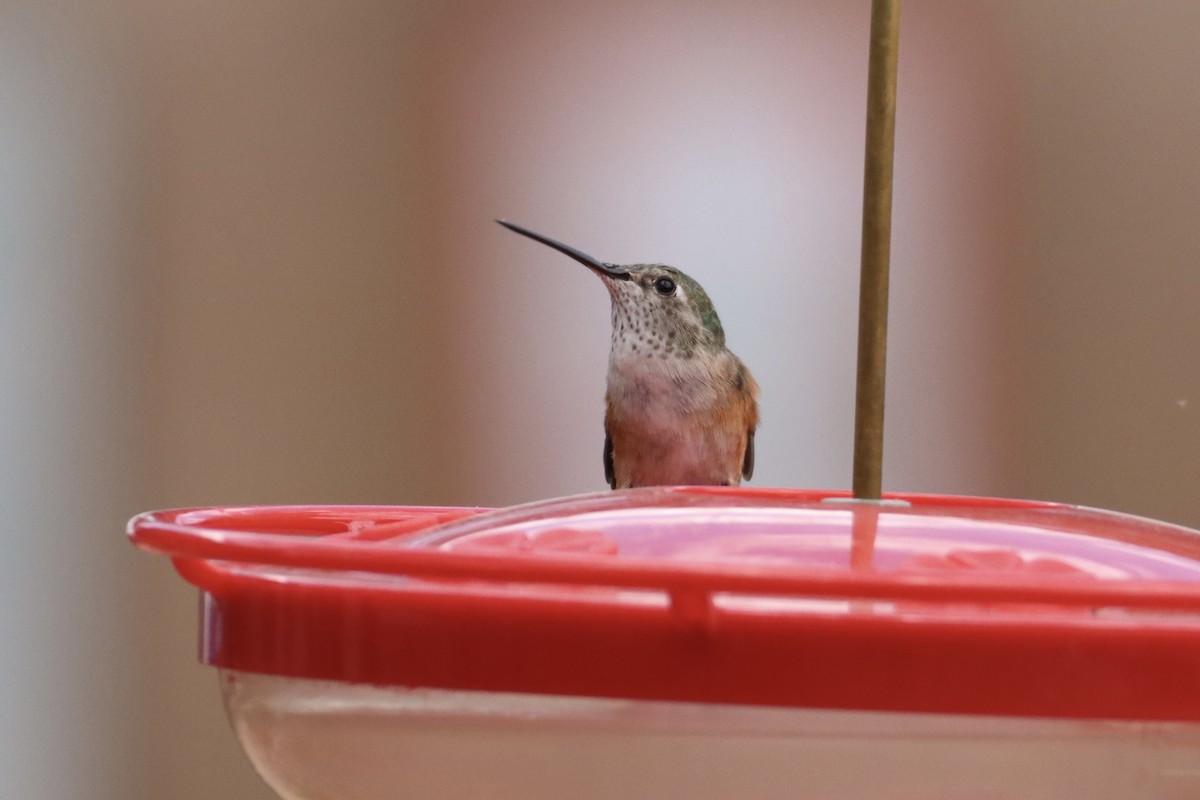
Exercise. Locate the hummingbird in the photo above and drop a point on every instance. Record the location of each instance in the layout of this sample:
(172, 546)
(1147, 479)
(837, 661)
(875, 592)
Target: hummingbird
(680, 407)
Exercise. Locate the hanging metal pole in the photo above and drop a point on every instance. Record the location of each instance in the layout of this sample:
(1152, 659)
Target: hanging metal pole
(876, 249)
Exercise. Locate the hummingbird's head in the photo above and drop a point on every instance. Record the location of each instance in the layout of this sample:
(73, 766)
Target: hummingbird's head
(660, 311)
(657, 311)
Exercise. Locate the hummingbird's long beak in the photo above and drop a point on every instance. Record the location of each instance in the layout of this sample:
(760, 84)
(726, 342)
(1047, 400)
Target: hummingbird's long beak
(610, 270)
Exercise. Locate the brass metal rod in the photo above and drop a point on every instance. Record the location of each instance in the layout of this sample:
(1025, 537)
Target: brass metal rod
(876, 249)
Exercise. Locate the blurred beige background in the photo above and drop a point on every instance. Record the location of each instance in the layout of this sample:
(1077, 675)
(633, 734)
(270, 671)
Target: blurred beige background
(246, 256)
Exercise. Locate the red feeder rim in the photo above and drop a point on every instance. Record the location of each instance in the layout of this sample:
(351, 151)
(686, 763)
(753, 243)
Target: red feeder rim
(766, 597)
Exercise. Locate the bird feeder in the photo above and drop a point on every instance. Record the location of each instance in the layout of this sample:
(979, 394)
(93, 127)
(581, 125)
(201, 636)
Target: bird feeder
(708, 642)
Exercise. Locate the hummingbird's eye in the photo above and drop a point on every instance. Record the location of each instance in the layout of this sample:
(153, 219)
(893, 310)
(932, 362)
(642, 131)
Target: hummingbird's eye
(665, 286)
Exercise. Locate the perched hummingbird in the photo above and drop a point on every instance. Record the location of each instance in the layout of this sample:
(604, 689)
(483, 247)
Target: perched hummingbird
(680, 407)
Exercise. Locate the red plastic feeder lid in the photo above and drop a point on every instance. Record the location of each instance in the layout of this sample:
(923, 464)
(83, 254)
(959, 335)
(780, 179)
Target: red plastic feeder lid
(765, 597)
